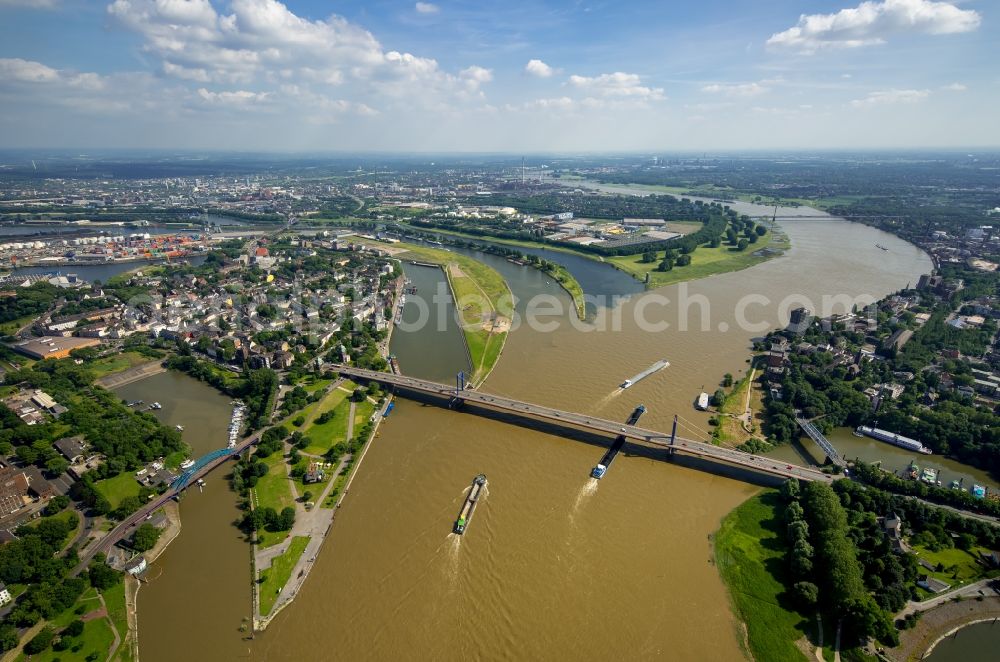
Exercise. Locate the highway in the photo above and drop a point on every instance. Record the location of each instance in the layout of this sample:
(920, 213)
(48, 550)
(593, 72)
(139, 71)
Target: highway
(611, 428)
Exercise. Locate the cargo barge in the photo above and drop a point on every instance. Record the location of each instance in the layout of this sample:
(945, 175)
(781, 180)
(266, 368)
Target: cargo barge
(469, 507)
(659, 365)
(616, 445)
(893, 438)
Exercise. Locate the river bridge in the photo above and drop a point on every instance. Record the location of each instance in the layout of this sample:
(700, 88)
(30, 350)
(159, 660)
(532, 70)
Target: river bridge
(675, 445)
(203, 466)
(821, 441)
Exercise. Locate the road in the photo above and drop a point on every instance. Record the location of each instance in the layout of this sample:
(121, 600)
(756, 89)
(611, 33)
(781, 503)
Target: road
(967, 591)
(600, 425)
(136, 518)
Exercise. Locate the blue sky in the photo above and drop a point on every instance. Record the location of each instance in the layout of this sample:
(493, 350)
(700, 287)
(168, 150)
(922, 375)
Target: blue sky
(518, 75)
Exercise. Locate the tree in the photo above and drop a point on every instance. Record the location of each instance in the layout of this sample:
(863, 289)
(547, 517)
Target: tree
(8, 637)
(666, 265)
(760, 230)
(41, 641)
(145, 537)
(742, 244)
(102, 576)
(74, 629)
(806, 593)
(718, 397)
(286, 519)
(790, 490)
(648, 257)
(727, 380)
(56, 466)
(683, 260)
(56, 505)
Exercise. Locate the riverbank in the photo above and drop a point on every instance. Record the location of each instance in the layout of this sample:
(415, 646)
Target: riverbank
(750, 543)
(484, 301)
(132, 584)
(705, 261)
(129, 375)
(558, 272)
(297, 558)
(941, 622)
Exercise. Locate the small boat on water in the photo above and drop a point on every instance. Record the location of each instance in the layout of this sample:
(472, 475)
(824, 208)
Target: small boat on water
(180, 428)
(156, 405)
(187, 464)
(881, 246)
(702, 403)
(469, 507)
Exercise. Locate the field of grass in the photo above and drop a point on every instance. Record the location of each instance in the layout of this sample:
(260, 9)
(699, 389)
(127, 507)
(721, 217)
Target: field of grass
(560, 273)
(362, 412)
(325, 435)
(273, 490)
(958, 566)
(114, 598)
(97, 635)
(117, 363)
(278, 574)
(749, 550)
(117, 488)
(705, 261)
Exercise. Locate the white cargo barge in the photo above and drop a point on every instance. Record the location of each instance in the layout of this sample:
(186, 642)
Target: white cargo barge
(659, 365)
(893, 438)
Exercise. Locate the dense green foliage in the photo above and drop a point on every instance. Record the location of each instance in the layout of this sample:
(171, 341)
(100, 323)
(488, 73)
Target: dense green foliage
(30, 301)
(257, 388)
(145, 537)
(128, 439)
(34, 559)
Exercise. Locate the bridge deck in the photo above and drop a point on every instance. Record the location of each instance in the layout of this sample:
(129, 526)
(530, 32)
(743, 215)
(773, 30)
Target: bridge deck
(821, 441)
(686, 446)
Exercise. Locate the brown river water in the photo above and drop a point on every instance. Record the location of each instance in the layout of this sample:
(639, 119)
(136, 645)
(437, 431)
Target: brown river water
(554, 565)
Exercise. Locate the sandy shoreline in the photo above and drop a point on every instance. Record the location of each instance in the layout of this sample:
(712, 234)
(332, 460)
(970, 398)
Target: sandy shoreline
(941, 622)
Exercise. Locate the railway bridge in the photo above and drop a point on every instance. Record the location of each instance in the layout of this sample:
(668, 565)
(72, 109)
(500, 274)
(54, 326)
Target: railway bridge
(675, 444)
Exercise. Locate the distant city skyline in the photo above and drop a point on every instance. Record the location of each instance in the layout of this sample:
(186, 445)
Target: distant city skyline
(486, 76)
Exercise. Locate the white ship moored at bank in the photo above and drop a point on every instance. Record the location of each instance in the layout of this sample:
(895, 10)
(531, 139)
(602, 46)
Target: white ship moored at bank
(894, 439)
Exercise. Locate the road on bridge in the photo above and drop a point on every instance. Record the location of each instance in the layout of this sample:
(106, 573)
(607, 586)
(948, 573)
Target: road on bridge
(136, 518)
(611, 428)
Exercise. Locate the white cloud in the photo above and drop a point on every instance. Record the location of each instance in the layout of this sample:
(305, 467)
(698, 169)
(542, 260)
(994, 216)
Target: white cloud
(237, 98)
(617, 84)
(33, 4)
(26, 71)
(261, 43)
(872, 23)
(551, 104)
(955, 87)
(539, 69)
(735, 89)
(426, 8)
(886, 97)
